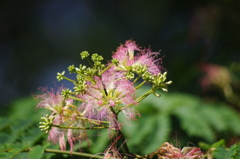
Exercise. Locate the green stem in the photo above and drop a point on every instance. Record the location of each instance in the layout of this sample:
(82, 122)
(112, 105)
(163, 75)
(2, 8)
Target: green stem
(89, 62)
(125, 146)
(73, 153)
(140, 85)
(82, 128)
(93, 121)
(144, 95)
(69, 79)
(136, 79)
(75, 98)
(119, 132)
(113, 111)
(140, 98)
(97, 122)
(105, 69)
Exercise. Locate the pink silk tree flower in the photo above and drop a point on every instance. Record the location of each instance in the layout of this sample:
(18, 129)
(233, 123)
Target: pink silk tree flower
(99, 94)
(62, 142)
(57, 136)
(53, 135)
(52, 100)
(130, 55)
(111, 90)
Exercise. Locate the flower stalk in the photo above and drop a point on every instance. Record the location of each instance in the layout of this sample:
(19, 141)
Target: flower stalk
(82, 128)
(74, 153)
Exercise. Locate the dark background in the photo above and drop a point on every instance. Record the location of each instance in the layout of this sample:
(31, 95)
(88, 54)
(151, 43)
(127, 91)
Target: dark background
(40, 38)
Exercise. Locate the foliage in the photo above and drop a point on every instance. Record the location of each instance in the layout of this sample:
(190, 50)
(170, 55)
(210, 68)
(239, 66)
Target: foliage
(19, 132)
(219, 150)
(208, 122)
(222, 152)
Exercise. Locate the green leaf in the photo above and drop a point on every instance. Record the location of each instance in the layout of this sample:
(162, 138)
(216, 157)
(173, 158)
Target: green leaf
(33, 134)
(238, 150)
(161, 134)
(206, 146)
(4, 122)
(23, 108)
(11, 150)
(20, 125)
(36, 152)
(192, 123)
(231, 117)
(143, 129)
(7, 138)
(22, 155)
(100, 144)
(233, 150)
(213, 117)
(232, 153)
(221, 153)
(218, 143)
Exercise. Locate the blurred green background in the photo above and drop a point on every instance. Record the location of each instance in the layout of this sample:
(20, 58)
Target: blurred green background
(200, 42)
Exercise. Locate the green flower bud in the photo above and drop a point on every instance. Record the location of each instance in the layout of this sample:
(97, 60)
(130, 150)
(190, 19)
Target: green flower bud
(47, 123)
(71, 68)
(60, 76)
(130, 75)
(96, 57)
(65, 93)
(115, 61)
(84, 54)
(169, 82)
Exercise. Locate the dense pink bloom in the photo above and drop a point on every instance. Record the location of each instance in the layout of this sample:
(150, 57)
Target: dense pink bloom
(61, 135)
(144, 57)
(70, 139)
(193, 153)
(110, 90)
(169, 151)
(53, 135)
(125, 53)
(57, 135)
(51, 99)
(62, 141)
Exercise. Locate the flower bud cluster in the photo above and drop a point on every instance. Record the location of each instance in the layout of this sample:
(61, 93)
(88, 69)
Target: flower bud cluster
(47, 123)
